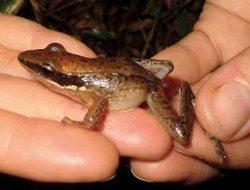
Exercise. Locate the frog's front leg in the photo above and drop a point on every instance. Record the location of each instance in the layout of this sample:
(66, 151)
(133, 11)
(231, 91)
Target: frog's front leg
(160, 68)
(94, 116)
(96, 113)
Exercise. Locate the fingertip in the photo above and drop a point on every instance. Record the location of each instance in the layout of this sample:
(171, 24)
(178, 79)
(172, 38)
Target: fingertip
(48, 151)
(223, 106)
(174, 167)
(231, 107)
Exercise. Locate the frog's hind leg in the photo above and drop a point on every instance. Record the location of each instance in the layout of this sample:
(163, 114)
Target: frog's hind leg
(160, 68)
(187, 114)
(179, 127)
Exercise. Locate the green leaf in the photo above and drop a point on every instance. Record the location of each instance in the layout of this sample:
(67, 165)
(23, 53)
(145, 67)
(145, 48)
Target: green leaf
(10, 6)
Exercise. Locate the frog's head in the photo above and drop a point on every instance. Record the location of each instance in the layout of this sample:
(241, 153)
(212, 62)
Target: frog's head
(50, 64)
(43, 59)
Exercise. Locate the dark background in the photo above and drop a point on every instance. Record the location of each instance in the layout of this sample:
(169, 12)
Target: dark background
(124, 180)
(134, 28)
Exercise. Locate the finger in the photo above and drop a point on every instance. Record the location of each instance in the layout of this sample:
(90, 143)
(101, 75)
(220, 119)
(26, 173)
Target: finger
(205, 49)
(9, 64)
(32, 35)
(189, 63)
(174, 167)
(202, 148)
(48, 151)
(222, 104)
(136, 133)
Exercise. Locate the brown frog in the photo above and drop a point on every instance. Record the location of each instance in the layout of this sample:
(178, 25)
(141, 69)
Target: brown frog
(114, 83)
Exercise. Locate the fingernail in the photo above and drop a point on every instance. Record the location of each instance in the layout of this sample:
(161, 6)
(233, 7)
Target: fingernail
(109, 179)
(230, 106)
(139, 178)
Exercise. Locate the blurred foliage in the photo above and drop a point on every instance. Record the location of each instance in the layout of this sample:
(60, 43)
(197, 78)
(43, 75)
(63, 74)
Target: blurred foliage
(10, 6)
(135, 28)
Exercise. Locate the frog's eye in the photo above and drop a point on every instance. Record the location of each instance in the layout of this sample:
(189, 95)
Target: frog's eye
(47, 69)
(55, 47)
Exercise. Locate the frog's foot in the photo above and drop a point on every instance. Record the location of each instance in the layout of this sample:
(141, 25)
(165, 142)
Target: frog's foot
(160, 68)
(93, 117)
(67, 121)
(219, 149)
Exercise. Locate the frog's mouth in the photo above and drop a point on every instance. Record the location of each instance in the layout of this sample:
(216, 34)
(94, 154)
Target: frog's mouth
(46, 71)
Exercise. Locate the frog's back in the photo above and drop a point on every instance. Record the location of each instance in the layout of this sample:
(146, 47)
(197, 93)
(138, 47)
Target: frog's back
(119, 65)
(122, 81)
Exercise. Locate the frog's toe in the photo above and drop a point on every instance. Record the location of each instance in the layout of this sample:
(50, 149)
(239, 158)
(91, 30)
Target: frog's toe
(68, 121)
(180, 135)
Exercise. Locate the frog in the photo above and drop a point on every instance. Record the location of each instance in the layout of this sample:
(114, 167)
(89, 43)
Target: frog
(114, 83)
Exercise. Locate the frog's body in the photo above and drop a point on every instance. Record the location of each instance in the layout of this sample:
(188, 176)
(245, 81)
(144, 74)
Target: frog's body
(111, 83)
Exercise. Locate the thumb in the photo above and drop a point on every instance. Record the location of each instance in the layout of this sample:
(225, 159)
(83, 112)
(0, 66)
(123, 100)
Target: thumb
(223, 102)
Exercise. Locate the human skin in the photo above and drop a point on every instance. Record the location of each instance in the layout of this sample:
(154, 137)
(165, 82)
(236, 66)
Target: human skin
(220, 39)
(37, 146)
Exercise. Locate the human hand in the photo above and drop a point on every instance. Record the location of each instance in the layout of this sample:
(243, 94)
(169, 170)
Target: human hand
(220, 41)
(35, 145)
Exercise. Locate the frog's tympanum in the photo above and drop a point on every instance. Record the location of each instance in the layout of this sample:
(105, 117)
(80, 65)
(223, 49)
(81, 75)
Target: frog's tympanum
(114, 83)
